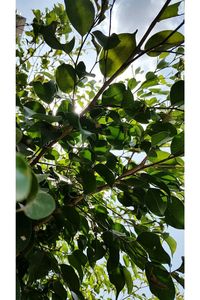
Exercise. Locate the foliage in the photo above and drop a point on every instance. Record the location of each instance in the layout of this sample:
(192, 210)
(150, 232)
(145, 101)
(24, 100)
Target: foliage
(99, 163)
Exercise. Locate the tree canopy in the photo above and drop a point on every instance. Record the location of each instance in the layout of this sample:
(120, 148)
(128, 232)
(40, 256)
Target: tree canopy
(99, 160)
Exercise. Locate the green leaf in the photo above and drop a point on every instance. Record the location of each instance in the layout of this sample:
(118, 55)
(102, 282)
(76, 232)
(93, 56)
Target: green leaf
(19, 135)
(23, 178)
(47, 118)
(114, 94)
(88, 181)
(128, 280)
(151, 243)
(160, 281)
(39, 265)
(177, 93)
(105, 173)
(178, 278)
(70, 277)
(116, 57)
(59, 289)
(35, 106)
(116, 277)
(40, 207)
(170, 12)
(81, 14)
(34, 187)
(156, 201)
(65, 78)
(177, 145)
(23, 232)
(160, 138)
(107, 42)
(48, 33)
(171, 242)
(132, 83)
(45, 91)
(174, 214)
(155, 42)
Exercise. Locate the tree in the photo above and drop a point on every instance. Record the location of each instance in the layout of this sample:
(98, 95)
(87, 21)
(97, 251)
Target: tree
(97, 190)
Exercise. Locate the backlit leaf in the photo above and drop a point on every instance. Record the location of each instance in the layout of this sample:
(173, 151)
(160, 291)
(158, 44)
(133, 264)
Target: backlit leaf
(170, 12)
(115, 57)
(65, 78)
(81, 14)
(155, 42)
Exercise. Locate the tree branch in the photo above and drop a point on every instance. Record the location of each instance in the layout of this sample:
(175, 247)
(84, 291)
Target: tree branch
(133, 171)
(129, 60)
(45, 148)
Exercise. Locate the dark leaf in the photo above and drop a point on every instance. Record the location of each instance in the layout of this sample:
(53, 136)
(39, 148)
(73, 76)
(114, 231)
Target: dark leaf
(160, 282)
(70, 277)
(105, 173)
(23, 232)
(177, 145)
(156, 201)
(151, 243)
(88, 181)
(107, 42)
(45, 91)
(174, 214)
(177, 93)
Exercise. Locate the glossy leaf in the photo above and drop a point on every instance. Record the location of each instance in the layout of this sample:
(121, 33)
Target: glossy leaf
(45, 91)
(171, 242)
(65, 78)
(105, 173)
(160, 281)
(81, 14)
(116, 277)
(177, 145)
(40, 207)
(156, 201)
(170, 12)
(177, 93)
(34, 187)
(115, 57)
(70, 277)
(151, 243)
(174, 214)
(23, 178)
(156, 45)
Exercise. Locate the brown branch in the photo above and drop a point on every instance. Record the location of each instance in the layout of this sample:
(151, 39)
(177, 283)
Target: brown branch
(129, 60)
(133, 171)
